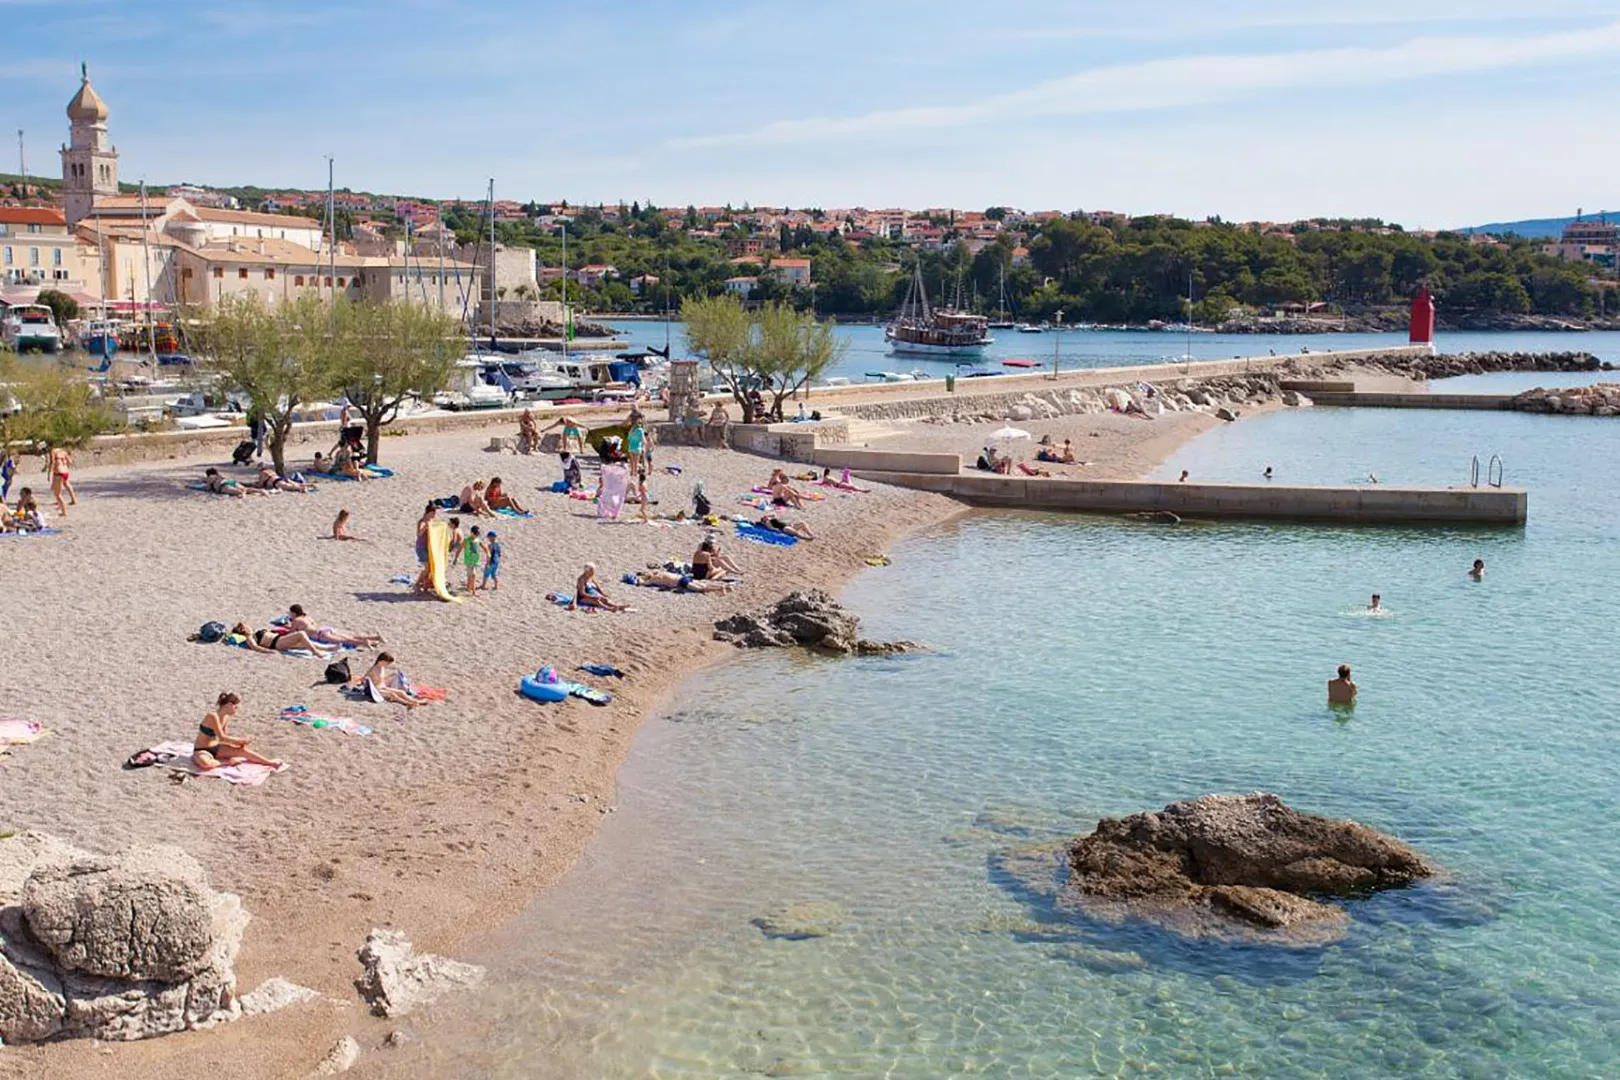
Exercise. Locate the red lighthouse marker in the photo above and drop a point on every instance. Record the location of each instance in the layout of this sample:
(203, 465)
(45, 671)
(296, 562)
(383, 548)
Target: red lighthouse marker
(1422, 317)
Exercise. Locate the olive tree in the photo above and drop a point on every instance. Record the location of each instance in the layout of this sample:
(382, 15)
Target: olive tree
(43, 406)
(390, 352)
(776, 350)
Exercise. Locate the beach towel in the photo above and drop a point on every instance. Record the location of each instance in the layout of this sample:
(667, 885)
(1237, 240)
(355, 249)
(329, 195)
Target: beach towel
(30, 532)
(20, 732)
(177, 756)
(605, 670)
(503, 512)
(564, 601)
(761, 535)
(300, 714)
(615, 480)
(758, 502)
(812, 496)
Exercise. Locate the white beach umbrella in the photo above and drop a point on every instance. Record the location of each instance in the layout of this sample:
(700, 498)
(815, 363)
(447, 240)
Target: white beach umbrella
(1009, 433)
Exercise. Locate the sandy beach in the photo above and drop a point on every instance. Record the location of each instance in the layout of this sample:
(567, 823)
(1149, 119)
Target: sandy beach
(443, 821)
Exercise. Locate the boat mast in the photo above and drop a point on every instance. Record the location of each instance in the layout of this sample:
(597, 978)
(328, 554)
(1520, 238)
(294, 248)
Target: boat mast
(439, 209)
(492, 264)
(146, 258)
(565, 288)
(331, 224)
(1189, 314)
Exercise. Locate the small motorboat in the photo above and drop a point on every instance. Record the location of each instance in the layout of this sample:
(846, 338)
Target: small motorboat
(1021, 363)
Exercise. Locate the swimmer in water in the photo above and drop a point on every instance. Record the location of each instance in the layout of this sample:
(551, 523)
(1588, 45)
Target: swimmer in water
(1268, 472)
(1376, 605)
(1184, 475)
(1372, 478)
(1342, 691)
(1478, 572)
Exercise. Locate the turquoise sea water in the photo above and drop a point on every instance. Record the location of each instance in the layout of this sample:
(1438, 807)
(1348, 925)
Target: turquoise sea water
(1086, 667)
(867, 351)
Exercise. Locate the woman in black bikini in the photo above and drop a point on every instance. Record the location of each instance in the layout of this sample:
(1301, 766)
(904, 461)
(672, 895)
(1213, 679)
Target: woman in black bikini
(709, 562)
(270, 641)
(216, 746)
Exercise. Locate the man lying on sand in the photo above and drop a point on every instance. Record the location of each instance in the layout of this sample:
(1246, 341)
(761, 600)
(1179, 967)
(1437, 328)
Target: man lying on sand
(219, 485)
(216, 746)
(269, 480)
(297, 620)
(668, 579)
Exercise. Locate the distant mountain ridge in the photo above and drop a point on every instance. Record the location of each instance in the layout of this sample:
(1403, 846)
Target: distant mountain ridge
(1538, 228)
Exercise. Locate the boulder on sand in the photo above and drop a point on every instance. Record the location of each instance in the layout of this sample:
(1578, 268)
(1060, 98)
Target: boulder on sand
(118, 947)
(812, 619)
(395, 978)
(1236, 863)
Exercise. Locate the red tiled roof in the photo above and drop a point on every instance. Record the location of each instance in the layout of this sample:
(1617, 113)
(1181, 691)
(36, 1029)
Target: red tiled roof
(31, 215)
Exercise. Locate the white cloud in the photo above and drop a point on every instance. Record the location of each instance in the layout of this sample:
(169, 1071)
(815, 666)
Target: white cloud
(1194, 80)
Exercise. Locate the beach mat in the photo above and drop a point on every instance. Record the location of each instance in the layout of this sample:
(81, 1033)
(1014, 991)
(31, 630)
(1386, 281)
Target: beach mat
(177, 757)
(25, 534)
(300, 715)
(505, 513)
(21, 732)
(760, 535)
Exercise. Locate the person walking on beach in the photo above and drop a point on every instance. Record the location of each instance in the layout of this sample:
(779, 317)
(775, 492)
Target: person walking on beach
(423, 582)
(493, 550)
(472, 550)
(1342, 691)
(59, 463)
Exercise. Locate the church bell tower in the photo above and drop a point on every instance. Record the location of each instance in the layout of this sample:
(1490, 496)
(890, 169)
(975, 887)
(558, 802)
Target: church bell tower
(89, 161)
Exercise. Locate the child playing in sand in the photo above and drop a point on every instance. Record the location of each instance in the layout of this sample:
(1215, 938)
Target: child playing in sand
(472, 550)
(492, 562)
(340, 527)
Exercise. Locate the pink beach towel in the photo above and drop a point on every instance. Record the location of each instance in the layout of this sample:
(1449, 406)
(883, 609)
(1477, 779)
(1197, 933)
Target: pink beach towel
(615, 479)
(20, 732)
(177, 756)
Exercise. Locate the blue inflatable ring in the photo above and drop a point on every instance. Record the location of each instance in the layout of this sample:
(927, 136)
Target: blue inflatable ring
(535, 690)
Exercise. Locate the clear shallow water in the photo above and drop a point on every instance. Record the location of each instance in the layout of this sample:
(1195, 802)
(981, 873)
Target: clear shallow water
(1114, 348)
(1087, 667)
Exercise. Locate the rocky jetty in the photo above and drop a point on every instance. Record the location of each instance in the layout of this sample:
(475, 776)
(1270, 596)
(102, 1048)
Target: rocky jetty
(545, 328)
(115, 947)
(1446, 366)
(811, 619)
(1602, 399)
(1236, 865)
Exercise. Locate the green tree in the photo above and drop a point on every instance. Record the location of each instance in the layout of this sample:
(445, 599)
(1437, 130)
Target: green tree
(390, 352)
(279, 360)
(44, 405)
(777, 349)
(63, 307)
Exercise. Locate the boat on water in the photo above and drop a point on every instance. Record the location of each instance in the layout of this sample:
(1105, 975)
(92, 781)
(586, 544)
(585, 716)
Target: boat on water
(470, 387)
(922, 329)
(1030, 328)
(100, 338)
(1021, 363)
(31, 328)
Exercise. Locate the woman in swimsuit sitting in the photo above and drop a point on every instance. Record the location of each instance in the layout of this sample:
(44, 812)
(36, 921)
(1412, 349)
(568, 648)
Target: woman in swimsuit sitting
(344, 464)
(498, 499)
(269, 640)
(709, 562)
(782, 492)
(384, 681)
(297, 620)
(216, 746)
(588, 594)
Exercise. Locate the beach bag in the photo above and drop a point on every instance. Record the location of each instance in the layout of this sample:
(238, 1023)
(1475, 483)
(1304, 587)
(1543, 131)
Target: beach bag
(211, 632)
(338, 672)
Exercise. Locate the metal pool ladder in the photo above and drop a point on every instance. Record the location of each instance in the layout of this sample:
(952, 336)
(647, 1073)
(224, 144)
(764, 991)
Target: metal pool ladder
(1493, 471)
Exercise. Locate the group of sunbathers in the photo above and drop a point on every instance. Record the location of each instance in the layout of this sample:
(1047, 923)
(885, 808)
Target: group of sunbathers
(24, 517)
(482, 500)
(266, 482)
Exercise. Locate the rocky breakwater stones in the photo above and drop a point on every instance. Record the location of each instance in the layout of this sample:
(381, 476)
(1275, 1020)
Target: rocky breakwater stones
(1602, 399)
(395, 979)
(811, 619)
(1236, 866)
(116, 947)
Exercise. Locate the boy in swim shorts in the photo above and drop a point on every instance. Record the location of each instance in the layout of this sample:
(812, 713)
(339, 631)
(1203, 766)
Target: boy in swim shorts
(492, 562)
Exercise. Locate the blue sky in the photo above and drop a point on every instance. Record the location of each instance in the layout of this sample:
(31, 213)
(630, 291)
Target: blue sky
(1438, 113)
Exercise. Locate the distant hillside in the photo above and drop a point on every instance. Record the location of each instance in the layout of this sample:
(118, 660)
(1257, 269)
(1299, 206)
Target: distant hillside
(1536, 228)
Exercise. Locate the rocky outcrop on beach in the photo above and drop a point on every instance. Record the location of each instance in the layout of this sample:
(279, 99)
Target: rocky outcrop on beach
(395, 978)
(115, 947)
(1601, 399)
(811, 619)
(1248, 865)
(546, 328)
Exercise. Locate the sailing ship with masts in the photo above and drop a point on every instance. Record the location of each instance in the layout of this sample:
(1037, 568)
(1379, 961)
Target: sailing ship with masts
(929, 331)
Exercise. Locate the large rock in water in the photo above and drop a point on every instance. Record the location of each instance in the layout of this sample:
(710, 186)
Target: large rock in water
(395, 978)
(812, 619)
(1245, 862)
(111, 947)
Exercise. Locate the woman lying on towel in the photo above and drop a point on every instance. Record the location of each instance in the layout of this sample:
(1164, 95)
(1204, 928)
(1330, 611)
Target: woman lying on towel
(842, 483)
(271, 640)
(269, 480)
(327, 635)
(777, 525)
(384, 683)
(588, 594)
(216, 746)
(498, 499)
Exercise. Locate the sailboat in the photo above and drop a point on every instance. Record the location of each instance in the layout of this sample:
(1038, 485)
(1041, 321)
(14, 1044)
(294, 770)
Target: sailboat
(1001, 322)
(919, 328)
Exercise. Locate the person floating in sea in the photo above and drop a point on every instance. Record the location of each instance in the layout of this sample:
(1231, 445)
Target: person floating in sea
(1372, 478)
(1267, 473)
(1342, 691)
(1184, 475)
(1377, 605)
(1478, 571)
